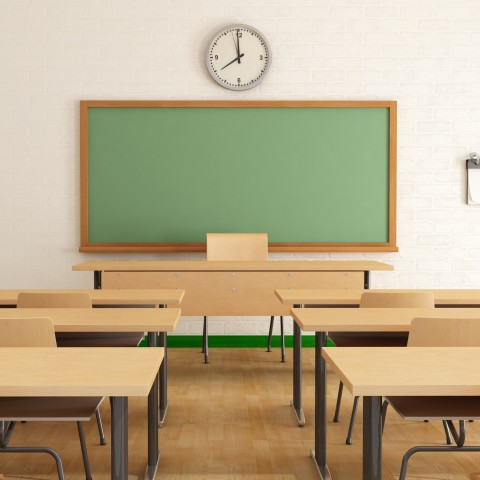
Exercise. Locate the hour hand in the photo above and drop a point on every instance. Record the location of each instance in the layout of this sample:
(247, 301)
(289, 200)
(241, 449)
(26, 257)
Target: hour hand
(233, 61)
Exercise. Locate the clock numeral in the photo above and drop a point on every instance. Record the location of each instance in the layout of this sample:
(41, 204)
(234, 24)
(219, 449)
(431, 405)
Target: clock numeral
(239, 34)
(238, 80)
(216, 57)
(261, 57)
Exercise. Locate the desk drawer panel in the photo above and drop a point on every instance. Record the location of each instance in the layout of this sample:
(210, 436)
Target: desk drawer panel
(232, 293)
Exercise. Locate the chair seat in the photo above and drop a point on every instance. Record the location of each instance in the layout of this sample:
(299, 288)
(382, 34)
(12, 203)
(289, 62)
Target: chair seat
(48, 408)
(367, 339)
(96, 339)
(436, 408)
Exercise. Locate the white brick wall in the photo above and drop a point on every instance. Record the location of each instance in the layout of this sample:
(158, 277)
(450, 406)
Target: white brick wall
(422, 53)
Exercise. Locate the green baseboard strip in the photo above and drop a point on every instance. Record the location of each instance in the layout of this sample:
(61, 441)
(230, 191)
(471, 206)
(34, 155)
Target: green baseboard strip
(234, 341)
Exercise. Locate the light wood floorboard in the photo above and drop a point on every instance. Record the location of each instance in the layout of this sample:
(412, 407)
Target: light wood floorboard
(231, 420)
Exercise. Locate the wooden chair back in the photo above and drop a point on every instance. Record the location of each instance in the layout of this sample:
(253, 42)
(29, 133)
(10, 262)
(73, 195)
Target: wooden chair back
(444, 332)
(54, 300)
(27, 332)
(397, 300)
(237, 246)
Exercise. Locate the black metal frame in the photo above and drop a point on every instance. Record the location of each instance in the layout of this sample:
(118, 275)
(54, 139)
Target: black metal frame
(205, 339)
(5, 436)
(162, 374)
(153, 417)
(296, 403)
(103, 440)
(282, 337)
(319, 455)
(450, 431)
(269, 342)
(372, 438)
(162, 383)
(119, 434)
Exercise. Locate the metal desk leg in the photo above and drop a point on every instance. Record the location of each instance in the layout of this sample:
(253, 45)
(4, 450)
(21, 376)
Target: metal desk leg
(153, 452)
(372, 438)
(319, 455)
(162, 384)
(97, 279)
(119, 438)
(296, 403)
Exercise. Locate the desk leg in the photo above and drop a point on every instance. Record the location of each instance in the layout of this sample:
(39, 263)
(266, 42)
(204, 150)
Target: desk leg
(97, 279)
(163, 381)
(153, 452)
(319, 455)
(372, 438)
(366, 279)
(296, 403)
(119, 438)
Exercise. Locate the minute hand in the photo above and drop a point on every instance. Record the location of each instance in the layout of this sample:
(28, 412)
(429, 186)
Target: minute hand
(234, 60)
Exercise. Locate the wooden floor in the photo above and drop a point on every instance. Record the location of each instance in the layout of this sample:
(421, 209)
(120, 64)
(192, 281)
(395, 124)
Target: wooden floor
(231, 420)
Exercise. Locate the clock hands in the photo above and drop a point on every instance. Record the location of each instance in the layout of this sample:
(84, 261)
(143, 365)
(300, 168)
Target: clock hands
(238, 47)
(233, 61)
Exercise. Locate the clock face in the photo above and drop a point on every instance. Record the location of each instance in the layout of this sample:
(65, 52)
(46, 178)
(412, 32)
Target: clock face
(238, 57)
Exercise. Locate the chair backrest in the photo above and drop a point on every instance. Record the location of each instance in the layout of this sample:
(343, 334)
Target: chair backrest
(397, 300)
(54, 300)
(237, 246)
(27, 332)
(444, 332)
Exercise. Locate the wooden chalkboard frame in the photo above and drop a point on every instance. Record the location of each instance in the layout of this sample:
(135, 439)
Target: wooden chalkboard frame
(86, 246)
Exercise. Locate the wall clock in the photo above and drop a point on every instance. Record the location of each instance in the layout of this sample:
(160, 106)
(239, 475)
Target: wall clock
(238, 57)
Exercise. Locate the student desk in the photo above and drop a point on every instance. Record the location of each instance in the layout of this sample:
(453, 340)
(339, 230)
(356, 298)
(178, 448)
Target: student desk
(420, 371)
(96, 372)
(120, 298)
(323, 320)
(102, 319)
(111, 320)
(351, 297)
(157, 297)
(317, 297)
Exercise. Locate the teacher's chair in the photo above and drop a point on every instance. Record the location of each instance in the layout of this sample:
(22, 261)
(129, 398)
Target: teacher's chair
(243, 247)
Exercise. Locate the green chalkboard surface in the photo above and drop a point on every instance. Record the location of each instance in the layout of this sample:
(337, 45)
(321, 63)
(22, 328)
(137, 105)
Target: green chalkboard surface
(156, 176)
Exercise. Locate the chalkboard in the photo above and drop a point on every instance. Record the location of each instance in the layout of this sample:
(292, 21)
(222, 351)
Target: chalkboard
(315, 176)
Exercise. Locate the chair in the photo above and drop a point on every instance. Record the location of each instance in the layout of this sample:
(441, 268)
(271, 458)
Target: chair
(239, 247)
(377, 339)
(39, 332)
(67, 300)
(439, 332)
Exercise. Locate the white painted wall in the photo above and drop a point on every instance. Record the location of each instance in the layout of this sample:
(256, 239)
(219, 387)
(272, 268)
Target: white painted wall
(423, 53)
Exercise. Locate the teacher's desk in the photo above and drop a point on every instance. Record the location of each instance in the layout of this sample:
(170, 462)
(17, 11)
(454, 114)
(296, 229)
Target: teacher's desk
(231, 288)
(236, 288)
